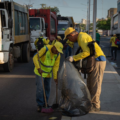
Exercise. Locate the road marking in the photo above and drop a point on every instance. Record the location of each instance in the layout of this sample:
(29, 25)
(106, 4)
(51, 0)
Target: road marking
(17, 76)
(107, 113)
(102, 45)
(114, 72)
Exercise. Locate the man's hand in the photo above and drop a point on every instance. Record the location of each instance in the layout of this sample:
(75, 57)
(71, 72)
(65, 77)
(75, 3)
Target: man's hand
(40, 71)
(70, 58)
(56, 81)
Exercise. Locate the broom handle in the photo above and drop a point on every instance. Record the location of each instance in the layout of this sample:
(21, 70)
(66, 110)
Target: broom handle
(57, 90)
(42, 82)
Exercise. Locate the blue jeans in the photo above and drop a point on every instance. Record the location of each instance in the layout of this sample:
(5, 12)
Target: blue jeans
(39, 92)
(68, 50)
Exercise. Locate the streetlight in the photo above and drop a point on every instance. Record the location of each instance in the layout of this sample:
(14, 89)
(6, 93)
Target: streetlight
(88, 16)
(94, 18)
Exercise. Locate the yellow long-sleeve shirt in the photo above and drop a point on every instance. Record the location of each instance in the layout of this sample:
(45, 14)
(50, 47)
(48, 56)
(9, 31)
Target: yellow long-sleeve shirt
(71, 44)
(83, 40)
(46, 42)
(54, 41)
(41, 53)
(112, 40)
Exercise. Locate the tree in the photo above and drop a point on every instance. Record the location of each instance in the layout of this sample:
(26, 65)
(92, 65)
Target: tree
(83, 26)
(104, 24)
(91, 26)
(53, 9)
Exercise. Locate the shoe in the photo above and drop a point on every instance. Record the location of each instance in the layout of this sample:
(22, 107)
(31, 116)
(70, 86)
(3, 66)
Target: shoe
(94, 109)
(39, 108)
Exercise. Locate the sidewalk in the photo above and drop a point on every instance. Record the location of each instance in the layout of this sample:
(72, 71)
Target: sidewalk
(110, 98)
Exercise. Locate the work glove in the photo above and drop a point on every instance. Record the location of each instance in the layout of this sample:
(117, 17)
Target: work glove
(70, 59)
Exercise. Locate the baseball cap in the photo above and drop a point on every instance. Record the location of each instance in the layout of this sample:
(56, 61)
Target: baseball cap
(68, 31)
(59, 47)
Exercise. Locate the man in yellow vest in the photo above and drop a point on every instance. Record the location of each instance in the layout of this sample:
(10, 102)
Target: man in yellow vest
(49, 57)
(45, 41)
(113, 47)
(94, 80)
(58, 39)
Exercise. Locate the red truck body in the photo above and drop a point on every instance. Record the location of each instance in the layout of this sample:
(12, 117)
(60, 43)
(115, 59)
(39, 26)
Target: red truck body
(50, 18)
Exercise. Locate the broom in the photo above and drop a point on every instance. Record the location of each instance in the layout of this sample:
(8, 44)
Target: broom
(46, 109)
(55, 106)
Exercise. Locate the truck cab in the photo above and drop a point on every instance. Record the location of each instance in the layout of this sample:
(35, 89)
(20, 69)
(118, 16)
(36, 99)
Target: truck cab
(14, 34)
(62, 26)
(50, 21)
(37, 26)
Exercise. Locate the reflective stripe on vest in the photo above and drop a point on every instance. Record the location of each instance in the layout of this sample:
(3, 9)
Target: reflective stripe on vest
(47, 65)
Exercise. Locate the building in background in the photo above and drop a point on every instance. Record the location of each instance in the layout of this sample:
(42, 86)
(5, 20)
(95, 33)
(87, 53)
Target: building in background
(83, 21)
(111, 12)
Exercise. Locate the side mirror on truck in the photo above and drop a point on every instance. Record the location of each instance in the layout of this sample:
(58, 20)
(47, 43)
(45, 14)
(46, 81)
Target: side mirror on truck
(46, 25)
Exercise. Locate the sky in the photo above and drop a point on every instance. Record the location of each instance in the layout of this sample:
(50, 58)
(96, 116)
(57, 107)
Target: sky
(75, 8)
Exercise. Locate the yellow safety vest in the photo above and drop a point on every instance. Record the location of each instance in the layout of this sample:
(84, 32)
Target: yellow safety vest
(47, 65)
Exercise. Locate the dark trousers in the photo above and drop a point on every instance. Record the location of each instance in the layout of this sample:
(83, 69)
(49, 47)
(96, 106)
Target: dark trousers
(114, 50)
(68, 50)
(98, 42)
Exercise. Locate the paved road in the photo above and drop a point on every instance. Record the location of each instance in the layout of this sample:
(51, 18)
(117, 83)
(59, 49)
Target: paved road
(18, 90)
(18, 94)
(105, 45)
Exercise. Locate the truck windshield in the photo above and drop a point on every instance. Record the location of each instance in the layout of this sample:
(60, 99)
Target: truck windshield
(34, 24)
(62, 27)
(3, 19)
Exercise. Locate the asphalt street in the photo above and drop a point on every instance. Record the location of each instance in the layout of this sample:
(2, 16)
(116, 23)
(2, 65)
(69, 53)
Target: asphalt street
(105, 45)
(18, 89)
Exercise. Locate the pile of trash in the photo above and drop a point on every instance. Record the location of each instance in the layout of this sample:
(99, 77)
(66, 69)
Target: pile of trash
(75, 97)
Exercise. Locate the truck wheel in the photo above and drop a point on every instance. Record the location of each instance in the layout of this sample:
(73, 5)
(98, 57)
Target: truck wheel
(20, 59)
(10, 64)
(26, 52)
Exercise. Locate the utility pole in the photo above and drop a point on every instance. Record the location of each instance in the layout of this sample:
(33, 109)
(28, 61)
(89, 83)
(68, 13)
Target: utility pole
(94, 18)
(0, 31)
(88, 16)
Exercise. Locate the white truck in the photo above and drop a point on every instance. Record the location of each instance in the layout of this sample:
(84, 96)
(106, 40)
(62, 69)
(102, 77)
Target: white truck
(115, 24)
(62, 26)
(37, 28)
(115, 21)
(14, 34)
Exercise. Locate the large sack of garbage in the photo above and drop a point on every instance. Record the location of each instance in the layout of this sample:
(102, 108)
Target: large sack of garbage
(75, 97)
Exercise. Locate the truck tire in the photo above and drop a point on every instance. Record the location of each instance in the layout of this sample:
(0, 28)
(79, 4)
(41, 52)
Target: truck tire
(10, 64)
(26, 52)
(20, 59)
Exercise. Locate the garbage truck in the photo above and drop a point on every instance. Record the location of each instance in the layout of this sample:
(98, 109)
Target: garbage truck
(42, 21)
(37, 29)
(63, 24)
(14, 34)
